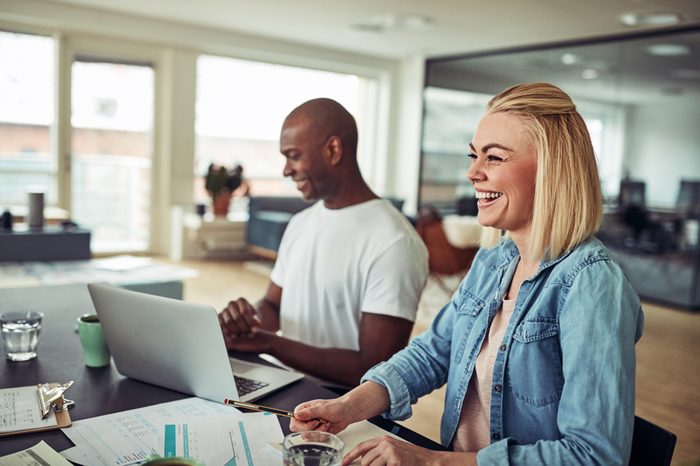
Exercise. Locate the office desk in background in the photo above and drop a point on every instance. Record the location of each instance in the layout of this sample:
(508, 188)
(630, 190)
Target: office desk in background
(99, 391)
(51, 243)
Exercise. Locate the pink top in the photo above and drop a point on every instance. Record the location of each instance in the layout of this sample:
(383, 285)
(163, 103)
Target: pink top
(473, 429)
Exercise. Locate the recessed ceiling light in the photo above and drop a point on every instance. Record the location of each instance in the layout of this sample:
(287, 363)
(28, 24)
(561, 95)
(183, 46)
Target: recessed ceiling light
(417, 22)
(590, 74)
(650, 19)
(366, 27)
(668, 50)
(388, 22)
(377, 23)
(570, 58)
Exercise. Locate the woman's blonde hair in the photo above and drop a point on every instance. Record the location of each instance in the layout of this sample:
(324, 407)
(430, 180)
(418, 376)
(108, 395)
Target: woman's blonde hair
(568, 205)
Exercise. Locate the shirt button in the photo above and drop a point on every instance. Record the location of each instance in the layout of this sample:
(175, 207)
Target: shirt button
(497, 387)
(496, 436)
(502, 347)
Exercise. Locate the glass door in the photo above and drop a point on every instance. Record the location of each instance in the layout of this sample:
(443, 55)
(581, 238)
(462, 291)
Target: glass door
(27, 157)
(112, 119)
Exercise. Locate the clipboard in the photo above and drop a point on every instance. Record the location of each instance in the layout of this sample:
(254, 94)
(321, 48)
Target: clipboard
(23, 408)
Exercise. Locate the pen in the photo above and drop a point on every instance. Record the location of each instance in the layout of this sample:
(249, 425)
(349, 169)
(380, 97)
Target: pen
(264, 409)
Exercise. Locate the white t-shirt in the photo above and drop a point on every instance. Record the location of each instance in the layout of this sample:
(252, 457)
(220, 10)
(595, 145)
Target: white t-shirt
(334, 264)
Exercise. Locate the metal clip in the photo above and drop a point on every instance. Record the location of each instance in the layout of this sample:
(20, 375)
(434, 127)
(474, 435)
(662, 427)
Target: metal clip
(51, 397)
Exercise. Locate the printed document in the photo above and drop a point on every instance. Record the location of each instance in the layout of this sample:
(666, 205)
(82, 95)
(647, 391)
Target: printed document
(39, 454)
(131, 436)
(237, 439)
(20, 410)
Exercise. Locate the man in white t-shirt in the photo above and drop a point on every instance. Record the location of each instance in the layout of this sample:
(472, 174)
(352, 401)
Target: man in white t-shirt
(350, 270)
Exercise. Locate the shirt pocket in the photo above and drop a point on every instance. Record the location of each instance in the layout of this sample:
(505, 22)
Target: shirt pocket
(469, 304)
(466, 313)
(535, 374)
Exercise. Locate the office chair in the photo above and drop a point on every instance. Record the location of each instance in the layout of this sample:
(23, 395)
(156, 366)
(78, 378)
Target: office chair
(632, 202)
(632, 193)
(651, 444)
(688, 200)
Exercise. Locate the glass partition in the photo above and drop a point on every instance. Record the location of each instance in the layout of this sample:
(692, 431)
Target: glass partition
(640, 97)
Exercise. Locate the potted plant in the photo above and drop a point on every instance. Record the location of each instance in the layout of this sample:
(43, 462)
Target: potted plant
(220, 183)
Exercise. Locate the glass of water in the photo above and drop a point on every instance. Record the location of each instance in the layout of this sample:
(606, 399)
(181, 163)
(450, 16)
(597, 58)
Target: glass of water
(312, 448)
(20, 332)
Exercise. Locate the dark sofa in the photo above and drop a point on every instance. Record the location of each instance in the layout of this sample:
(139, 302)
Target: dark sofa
(267, 219)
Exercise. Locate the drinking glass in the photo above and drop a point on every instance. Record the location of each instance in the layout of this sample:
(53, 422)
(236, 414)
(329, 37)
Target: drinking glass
(312, 449)
(20, 332)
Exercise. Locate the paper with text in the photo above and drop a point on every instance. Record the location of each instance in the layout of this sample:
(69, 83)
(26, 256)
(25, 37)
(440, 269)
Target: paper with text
(131, 436)
(20, 410)
(39, 454)
(239, 440)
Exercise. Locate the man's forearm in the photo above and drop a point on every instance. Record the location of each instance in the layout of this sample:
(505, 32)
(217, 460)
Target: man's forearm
(337, 365)
(269, 315)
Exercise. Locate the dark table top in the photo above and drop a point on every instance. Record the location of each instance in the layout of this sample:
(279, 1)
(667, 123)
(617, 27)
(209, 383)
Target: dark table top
(99, 391)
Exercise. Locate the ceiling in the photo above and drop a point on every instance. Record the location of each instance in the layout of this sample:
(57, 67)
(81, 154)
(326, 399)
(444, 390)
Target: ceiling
(401, 28)
(617, 72)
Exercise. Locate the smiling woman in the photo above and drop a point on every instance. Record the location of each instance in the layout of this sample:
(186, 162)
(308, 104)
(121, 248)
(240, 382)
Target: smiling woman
(514, 342)
(502, 171)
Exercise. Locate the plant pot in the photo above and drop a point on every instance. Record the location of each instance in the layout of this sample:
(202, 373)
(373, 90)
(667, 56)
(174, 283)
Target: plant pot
(220, 204)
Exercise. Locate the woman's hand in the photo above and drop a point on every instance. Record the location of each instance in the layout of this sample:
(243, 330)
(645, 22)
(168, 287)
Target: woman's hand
(390, 451)
(324, 415)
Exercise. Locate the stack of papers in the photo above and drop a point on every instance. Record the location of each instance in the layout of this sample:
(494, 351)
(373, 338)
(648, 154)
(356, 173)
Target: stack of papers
(41, 453)
(122, 263)
(212, 433)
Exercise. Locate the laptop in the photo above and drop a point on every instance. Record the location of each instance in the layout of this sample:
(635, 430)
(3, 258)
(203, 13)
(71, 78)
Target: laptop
(178, 345)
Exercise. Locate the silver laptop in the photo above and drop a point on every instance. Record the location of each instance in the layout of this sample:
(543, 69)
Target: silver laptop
(179, 346)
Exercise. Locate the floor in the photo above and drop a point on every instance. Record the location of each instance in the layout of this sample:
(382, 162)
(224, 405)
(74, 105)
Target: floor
(668, 379)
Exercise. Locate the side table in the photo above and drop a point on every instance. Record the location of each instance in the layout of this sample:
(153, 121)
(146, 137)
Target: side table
(200, 237)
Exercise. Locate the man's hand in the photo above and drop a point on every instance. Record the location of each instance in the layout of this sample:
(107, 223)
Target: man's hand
(259, 342)
(239, 320)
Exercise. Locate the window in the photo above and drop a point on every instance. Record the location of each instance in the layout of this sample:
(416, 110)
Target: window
(449, 121)
(112, 148)
(27, 69)
(605, 124)
(239, 112)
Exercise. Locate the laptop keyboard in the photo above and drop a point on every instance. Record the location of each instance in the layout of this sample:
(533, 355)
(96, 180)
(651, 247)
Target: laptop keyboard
(245, 385)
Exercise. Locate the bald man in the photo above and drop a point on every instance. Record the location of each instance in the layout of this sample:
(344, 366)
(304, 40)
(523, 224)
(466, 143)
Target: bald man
(350, 269)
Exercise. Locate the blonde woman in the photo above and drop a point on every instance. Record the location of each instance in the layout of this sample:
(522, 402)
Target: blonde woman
(537, 345)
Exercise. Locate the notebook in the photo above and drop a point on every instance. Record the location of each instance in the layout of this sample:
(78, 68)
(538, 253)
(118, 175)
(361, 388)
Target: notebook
(178, 345)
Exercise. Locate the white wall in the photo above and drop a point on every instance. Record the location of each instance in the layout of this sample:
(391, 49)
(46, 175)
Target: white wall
(663, 146)
(395, 145)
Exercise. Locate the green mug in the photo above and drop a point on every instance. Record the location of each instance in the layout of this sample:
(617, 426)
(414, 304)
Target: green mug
(93, 340)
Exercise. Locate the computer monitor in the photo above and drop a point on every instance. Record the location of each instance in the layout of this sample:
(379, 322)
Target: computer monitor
(688, 201)
(632, 193)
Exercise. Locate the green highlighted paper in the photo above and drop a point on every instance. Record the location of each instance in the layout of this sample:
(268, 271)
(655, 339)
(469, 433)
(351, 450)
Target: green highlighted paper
(227, 440)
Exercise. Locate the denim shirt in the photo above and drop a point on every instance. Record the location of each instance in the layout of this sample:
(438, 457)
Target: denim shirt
(564, 375)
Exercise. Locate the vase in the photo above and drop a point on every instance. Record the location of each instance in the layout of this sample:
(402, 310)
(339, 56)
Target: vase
(220, 204)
